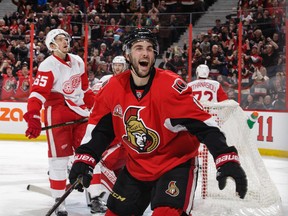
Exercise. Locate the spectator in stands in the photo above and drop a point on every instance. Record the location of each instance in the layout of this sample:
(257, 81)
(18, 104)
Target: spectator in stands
(138, 18)
(261, 84)
(65, 23)
(41, 37)
(8, 84)
(104, 51)
(152, 18)
(4, 29)
(162, 8)
(96, 31)
(173, 23)
(257, 37)
(76, 18)
(197, 59)
(270, 60)
(215, 40)
(166, 65)
(177, 62)
(267, 25)
(116, 46)
(205, 46)
(3, 43)
(40, 25)
(15, 32)
(102, 69)
(114, 8)
(217, 28)
(23, 85)
(249, 103)
(276, 88)
(254, 58)
(231, 95)
(20, 50)
(92, 79)
(37, 61)
(12, 60)
(110, 30)
(216, 62)
(246, 17)
(278, 40)
(225, 85)
(268, 102)
(279, 103)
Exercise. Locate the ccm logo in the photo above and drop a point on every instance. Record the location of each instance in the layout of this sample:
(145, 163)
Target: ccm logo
(13, 114)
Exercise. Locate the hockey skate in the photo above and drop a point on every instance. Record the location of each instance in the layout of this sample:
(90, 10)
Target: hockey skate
(97, 205)
(61, 210)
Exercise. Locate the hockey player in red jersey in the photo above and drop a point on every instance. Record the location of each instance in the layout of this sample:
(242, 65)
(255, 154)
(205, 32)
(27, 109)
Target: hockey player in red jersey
(160, 124)
(205, 89)
(61, 85)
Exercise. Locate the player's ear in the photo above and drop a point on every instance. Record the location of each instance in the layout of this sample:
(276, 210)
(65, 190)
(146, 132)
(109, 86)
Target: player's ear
(127, 56)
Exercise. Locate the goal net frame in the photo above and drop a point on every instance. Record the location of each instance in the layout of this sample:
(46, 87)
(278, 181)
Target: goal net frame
(262, 198)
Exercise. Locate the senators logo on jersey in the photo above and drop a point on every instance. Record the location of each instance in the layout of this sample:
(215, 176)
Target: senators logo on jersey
(138, 136)
(172, 190)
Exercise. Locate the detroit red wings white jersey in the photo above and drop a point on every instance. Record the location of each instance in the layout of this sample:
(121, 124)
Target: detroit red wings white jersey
(208, 90)
(96, 88)
(65, 77)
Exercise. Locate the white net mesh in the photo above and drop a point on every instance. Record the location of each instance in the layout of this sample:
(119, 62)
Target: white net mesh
(262, 198)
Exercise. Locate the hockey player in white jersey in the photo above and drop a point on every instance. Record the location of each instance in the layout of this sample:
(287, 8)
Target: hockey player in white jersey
(118, 66)
(61, 85)
(113, 159)
(205, 89)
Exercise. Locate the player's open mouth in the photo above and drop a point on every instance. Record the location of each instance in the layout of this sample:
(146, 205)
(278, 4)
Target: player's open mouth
(143, 63)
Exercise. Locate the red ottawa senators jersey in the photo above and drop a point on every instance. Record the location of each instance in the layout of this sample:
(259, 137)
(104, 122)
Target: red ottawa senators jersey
(160, 125)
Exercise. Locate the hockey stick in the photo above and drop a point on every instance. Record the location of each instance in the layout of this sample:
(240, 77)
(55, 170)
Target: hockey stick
(65, 195)
(65, 124)
(38, 189)
(47, 192)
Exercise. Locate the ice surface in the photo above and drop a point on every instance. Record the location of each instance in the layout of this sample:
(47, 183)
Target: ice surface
(23, 163)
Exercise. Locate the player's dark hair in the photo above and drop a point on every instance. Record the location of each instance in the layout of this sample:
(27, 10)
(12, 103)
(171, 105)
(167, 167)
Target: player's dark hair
(140, 34)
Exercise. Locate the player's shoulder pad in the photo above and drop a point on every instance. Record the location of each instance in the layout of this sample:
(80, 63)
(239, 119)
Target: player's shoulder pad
(176, 83)
(48, 64)
(118, 81)
(76, 57)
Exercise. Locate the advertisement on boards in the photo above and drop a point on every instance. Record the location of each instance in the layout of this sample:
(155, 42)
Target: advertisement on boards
(269, 131)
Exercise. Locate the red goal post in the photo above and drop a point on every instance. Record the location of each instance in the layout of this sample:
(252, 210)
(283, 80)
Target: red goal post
(262, 198)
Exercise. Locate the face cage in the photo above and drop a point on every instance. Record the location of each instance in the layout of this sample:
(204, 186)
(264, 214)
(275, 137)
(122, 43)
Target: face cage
(57, 47)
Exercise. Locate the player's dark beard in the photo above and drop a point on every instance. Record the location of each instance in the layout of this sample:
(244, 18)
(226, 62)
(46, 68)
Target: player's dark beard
(136, 72)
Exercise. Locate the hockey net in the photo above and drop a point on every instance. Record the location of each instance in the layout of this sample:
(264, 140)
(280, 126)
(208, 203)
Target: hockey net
(262, 198)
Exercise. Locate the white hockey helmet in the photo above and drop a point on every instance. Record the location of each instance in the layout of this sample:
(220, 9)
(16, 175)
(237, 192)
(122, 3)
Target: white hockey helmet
(119, 60)
(50, 37)
(202, 71)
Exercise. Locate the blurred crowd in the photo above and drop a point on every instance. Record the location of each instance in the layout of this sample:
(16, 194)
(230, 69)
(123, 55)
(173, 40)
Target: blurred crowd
(263, 81)
(263, 75)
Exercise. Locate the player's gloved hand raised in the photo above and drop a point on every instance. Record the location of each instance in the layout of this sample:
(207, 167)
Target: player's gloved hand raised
(227, 164)
(34, 124)
(82, 166)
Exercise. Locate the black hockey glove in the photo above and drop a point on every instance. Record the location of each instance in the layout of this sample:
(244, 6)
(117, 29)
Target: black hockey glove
(228, 164)
(82, 166)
